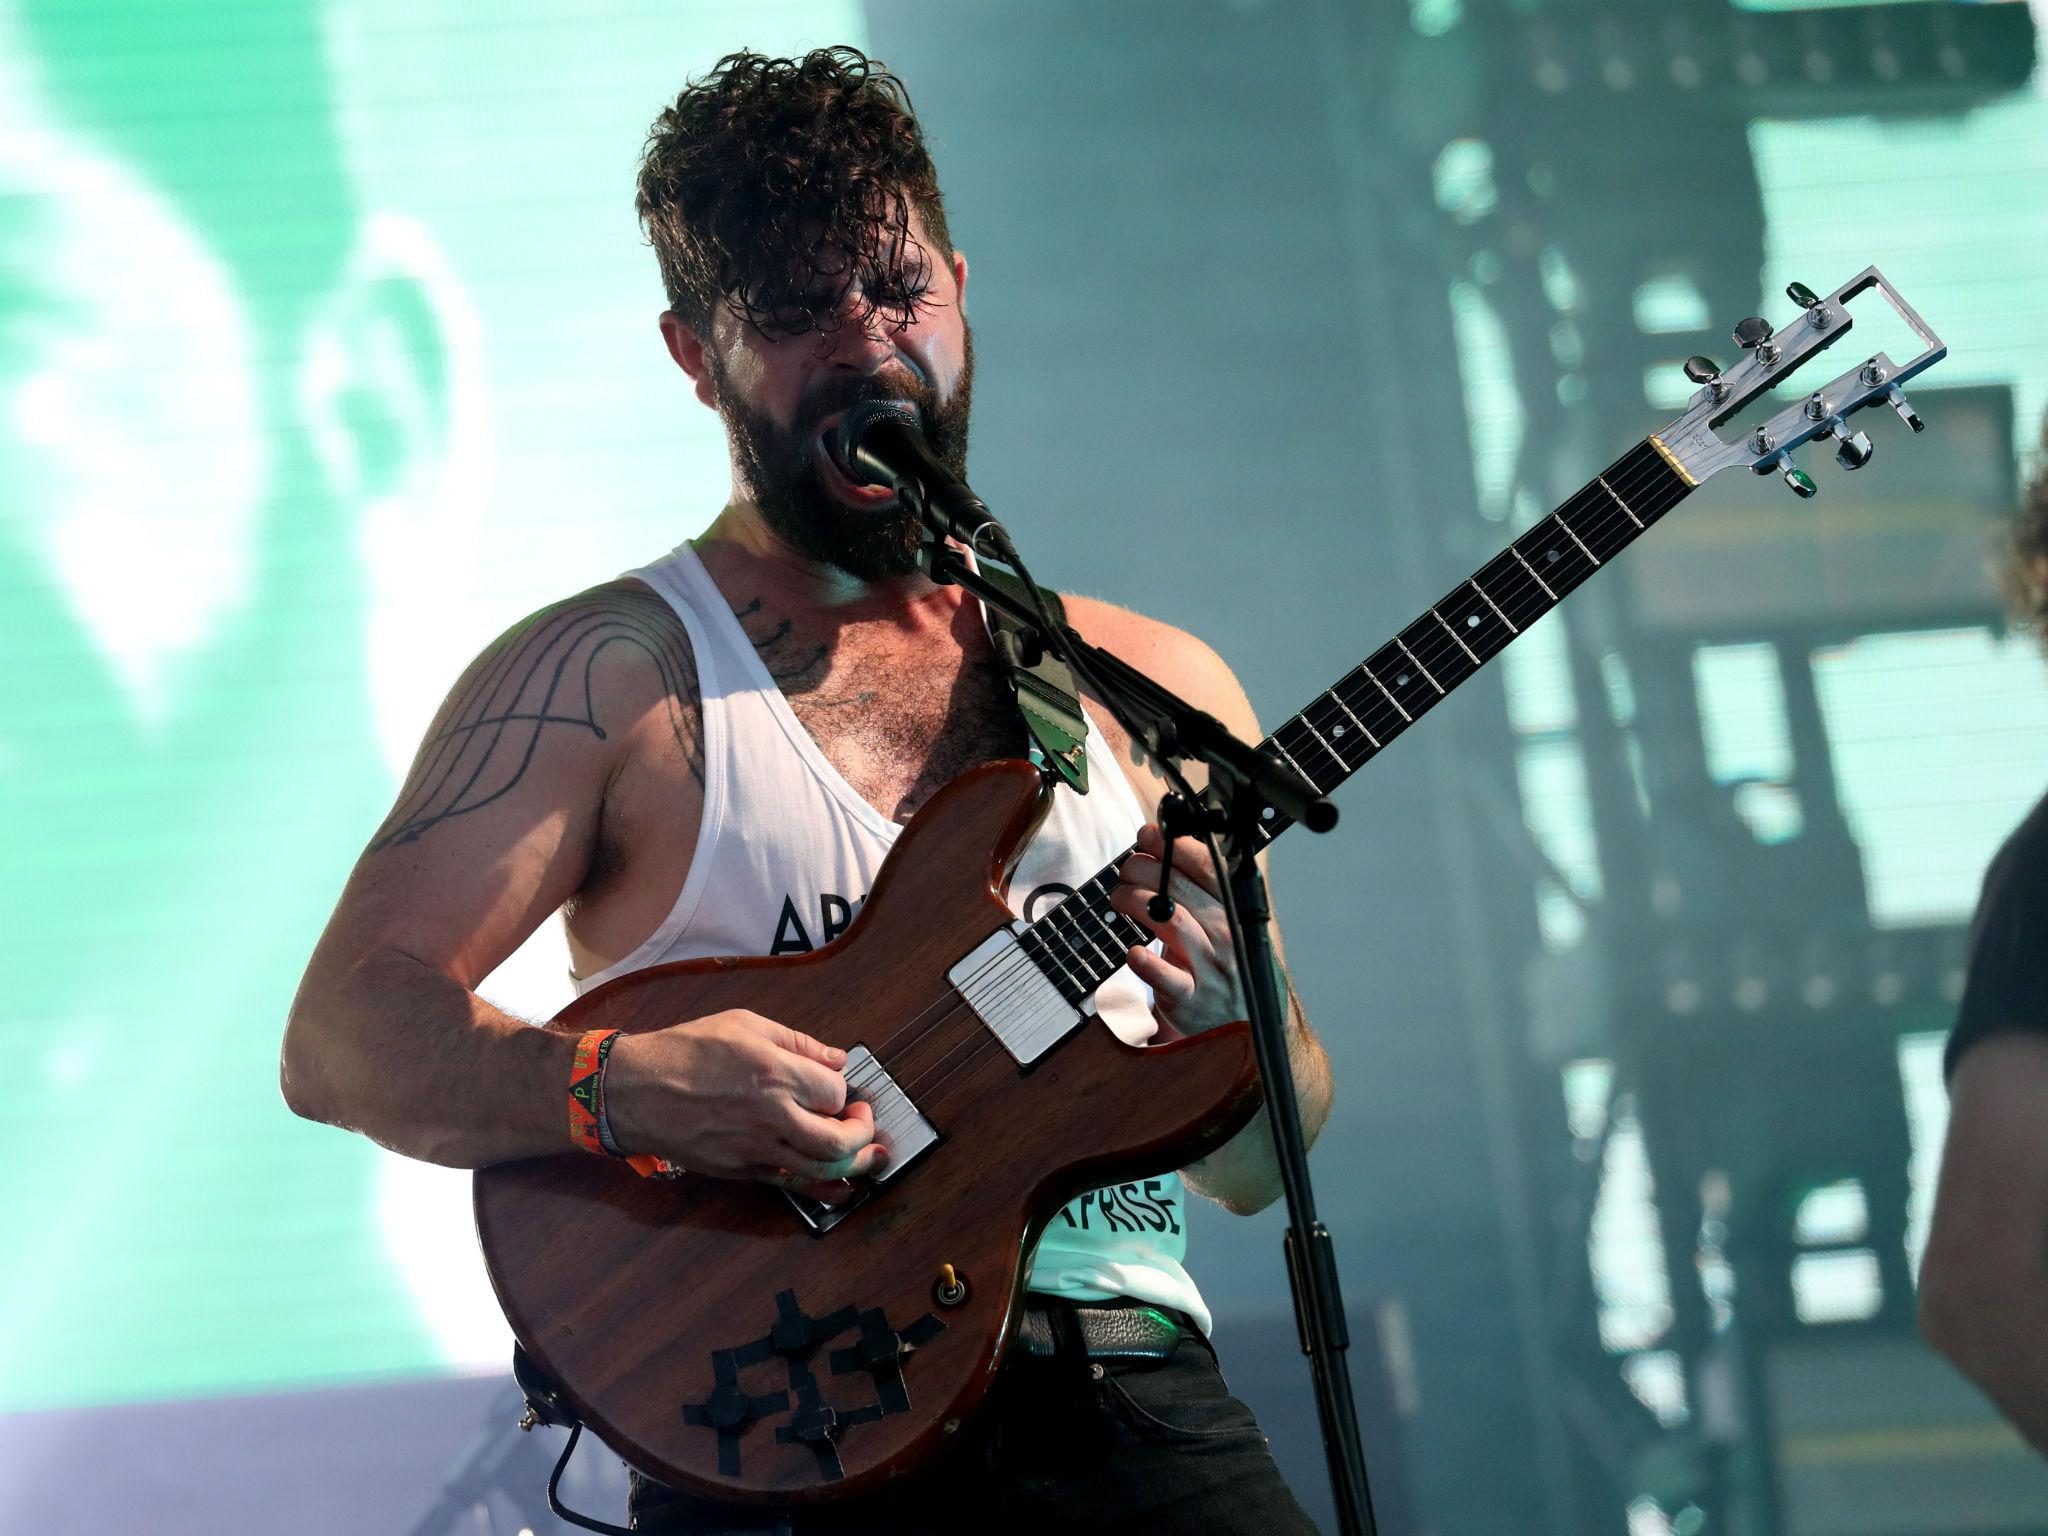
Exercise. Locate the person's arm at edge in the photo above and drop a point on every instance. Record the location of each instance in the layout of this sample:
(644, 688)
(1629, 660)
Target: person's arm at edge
(1243, 1175)
(413, 1031)
(1984, 1277)
(386, 1035)
(495, 828)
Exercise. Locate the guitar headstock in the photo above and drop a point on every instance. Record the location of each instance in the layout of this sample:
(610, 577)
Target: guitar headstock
(1698, 450)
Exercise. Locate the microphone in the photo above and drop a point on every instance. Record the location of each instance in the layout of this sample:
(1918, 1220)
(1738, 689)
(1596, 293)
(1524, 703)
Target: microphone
(879, 443)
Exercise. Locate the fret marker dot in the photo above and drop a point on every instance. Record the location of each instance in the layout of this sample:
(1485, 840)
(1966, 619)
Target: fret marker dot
(1337, 730)
(1401, 681)
(1550, 555)
(1471, 621)
(1267, 814)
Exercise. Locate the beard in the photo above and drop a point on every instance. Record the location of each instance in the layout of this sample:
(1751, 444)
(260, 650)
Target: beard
(780, 465)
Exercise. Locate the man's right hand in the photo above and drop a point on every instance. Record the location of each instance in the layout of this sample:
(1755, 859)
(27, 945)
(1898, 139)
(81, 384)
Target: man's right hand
(738, 1096)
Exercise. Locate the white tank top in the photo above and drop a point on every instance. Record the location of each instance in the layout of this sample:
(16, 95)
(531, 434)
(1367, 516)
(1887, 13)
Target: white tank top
(791, 851)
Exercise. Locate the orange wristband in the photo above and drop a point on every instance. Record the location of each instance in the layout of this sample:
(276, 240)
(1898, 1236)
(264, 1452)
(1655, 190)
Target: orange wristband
(587, 1125)
(586, 1088)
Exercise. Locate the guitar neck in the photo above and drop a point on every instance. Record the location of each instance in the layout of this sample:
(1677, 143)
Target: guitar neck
(1082, 942)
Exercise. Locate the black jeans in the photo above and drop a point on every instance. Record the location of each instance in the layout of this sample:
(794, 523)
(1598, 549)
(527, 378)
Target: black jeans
(1064, 1444)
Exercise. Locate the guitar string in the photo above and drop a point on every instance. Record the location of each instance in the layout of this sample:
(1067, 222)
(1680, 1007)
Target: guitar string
(1597, 525)
(912, 1025)
(976, 1047)
(1440, 647)
(1019, 963)
(1001, 957)
(1016, 961)
(1005, 989)
(1019, 968)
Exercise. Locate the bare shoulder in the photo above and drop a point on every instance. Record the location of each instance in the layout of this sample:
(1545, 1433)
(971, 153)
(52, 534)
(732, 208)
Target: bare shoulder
(503, 814)
(617, 638)
(613, 652)
(565, 688)
(1184, 662)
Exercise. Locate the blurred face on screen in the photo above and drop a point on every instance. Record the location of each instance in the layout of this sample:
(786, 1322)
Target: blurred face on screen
(182, 747)
(129, 421)
(781, 397)
(133, 471)
(212, 376)
(165, 523)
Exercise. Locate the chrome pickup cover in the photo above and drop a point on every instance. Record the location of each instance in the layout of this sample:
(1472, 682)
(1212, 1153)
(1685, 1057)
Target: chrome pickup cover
(1019, 1003)
(898, 1127)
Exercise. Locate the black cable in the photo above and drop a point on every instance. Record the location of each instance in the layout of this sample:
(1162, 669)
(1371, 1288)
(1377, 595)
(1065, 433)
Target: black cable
(554, 1498)
(779, 1525)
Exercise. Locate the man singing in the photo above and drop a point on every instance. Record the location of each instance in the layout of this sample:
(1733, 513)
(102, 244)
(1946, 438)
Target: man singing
(713, 754)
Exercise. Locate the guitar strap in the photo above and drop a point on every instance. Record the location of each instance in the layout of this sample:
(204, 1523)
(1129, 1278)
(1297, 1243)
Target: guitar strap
(1043, 685)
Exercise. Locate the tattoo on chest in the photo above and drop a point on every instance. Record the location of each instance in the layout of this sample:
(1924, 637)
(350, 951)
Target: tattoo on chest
(799, 668)
(537, 679)
(794, 666)
(900, 741)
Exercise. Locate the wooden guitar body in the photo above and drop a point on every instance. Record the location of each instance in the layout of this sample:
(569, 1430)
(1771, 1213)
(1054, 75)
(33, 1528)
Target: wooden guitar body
(701, 1326)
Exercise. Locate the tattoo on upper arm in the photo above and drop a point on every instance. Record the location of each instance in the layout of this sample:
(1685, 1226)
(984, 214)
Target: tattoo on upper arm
(538, 676)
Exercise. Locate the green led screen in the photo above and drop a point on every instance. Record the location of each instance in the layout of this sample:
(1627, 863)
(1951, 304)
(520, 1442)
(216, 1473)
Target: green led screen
(327, 348)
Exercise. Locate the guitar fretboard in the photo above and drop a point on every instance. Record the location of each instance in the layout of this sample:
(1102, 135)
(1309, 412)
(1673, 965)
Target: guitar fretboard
(1082, 942)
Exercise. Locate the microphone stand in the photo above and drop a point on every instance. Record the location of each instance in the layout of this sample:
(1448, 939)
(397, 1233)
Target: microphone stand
(1246, 788)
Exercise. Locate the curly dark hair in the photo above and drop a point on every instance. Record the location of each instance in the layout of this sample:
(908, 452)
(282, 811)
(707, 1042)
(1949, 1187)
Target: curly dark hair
(2023, 573)
(771, 184)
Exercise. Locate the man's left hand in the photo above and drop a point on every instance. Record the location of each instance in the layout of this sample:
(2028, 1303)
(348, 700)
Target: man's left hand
(1194, 983)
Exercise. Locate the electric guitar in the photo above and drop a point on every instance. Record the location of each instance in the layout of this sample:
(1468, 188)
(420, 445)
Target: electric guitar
(749, 1344)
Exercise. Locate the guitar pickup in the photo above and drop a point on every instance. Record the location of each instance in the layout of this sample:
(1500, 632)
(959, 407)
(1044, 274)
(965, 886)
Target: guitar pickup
(899, 1127)
(1029, 1010)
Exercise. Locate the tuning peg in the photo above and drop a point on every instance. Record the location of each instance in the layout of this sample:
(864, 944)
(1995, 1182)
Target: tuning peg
(1753, 332)
(1704, 370)
(1801, 295)
(1852, 450)
(1898, 402)
(1797, 478)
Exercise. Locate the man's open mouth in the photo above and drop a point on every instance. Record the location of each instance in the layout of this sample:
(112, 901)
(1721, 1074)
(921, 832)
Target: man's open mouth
(835, 472)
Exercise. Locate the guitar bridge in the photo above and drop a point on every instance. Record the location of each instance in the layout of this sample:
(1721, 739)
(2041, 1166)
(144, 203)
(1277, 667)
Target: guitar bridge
(899, 1127)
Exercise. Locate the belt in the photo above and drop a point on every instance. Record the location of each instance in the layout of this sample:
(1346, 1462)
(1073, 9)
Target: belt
(1133, 1331)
